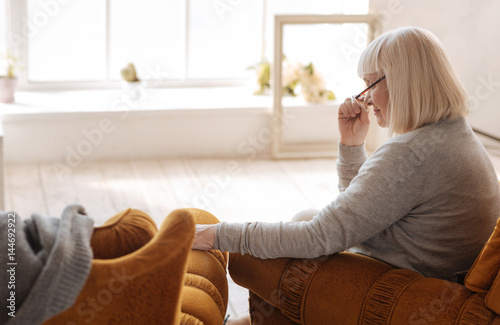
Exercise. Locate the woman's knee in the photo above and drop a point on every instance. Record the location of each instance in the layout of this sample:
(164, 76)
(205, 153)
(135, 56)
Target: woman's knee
(305, 215)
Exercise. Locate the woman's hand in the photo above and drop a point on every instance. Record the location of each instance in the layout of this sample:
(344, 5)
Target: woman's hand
(204, 237)
(353, 123)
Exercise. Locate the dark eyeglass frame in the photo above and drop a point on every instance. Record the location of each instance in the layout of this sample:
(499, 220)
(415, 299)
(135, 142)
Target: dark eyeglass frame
(369, 87)
(364, 91)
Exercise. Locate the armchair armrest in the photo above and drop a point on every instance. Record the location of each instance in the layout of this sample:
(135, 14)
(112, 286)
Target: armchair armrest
(205, 277)
(352, 289)
(305, 290)
(122, 234)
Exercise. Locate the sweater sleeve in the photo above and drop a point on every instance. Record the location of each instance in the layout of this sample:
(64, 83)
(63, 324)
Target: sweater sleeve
(350, 159)
(385, 189)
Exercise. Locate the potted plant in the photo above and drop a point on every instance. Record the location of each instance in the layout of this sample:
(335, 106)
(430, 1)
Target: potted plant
(263, 71)
(8, 81)
(131, 84)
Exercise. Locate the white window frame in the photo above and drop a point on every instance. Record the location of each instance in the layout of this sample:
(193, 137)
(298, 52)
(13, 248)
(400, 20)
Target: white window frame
(6, 25)
(18, 10)
(280, 149)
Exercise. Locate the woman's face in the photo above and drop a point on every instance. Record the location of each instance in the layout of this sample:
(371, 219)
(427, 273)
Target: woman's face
(378, 98)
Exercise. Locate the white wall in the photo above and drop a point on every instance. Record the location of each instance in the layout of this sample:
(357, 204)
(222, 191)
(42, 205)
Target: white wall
(72, 127)
(69, 139)
(470, 31)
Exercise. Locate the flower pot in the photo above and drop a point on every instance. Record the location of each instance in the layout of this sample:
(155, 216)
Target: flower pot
(7, 89)
(134, 91)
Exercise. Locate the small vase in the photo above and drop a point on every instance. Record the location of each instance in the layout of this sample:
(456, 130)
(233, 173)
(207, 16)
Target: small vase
(134, 91)
(7, 89)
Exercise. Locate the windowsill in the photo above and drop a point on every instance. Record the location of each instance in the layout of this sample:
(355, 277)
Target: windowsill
(177, 100)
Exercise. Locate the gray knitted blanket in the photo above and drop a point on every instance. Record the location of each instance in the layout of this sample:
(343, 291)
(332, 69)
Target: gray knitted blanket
(46, 262)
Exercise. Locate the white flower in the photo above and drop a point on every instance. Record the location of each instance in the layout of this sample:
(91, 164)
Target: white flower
(292, 73)
(313, 87)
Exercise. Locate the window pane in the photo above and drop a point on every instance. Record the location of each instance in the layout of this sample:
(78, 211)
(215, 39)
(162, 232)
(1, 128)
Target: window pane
(355, 7)
(310, 7)
(67, 41)
(3, 45)
(334, 50)
(225, 38)
(149, 33)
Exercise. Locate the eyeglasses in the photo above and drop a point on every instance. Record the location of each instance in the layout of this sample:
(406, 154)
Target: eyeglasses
(364, 91)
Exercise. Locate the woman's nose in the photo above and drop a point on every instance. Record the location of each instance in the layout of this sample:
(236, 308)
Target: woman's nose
(368, 98)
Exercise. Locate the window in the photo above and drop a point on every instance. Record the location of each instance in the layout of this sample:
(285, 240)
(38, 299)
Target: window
(68, 42)
(222, 44)
(339, 33)
(182, 41)
(3, 35)
(149, 33)
(320, 7)
(334, 49)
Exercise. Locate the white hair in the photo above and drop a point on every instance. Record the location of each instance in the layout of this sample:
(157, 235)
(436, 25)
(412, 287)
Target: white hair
(422, 84)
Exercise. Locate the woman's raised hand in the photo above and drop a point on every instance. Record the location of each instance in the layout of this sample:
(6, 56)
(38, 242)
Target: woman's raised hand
(353, 123)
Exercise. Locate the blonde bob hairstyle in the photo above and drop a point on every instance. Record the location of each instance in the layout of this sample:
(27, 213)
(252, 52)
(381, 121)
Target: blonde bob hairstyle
(423, 86)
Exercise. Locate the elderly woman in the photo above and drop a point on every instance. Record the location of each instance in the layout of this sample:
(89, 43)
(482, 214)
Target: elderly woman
(426, 200)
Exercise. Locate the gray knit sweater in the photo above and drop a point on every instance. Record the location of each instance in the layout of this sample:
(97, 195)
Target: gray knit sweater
(50, 264)
(426, 200)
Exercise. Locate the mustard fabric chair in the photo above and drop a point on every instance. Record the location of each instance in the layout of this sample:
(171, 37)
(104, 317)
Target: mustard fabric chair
(350, 289)
(141, 275)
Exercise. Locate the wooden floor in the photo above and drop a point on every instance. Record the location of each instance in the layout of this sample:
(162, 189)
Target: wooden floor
(234, 191)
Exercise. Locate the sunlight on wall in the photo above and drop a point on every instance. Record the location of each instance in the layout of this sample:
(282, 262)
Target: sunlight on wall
(3, 24)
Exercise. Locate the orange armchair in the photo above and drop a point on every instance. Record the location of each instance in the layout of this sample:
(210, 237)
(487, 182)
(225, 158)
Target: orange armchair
(353, 289)
(143, 276)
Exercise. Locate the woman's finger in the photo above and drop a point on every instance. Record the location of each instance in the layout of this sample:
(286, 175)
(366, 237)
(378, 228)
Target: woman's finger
(350, 107)
(347, 109)
(358, 102)
(355, 106)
